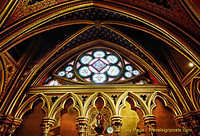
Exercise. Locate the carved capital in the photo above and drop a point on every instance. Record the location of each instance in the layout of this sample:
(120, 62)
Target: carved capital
(9, 124)
(46, 125)
(82, 124)
(116, 121)
(150, 123)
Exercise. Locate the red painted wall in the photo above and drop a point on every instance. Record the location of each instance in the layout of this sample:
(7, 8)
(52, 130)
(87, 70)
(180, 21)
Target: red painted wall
(197, 3)
(31, 122)
(68, 121)
(165, 119)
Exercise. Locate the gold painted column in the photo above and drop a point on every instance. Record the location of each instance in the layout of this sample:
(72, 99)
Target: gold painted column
(8, 125)
(46, 125)
(150, 123)
(82, 124)
(116, 122)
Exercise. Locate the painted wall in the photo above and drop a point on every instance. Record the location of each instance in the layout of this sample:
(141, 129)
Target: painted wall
(32, 121)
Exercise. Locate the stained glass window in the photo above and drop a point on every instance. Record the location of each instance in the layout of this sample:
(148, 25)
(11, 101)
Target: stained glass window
(98, 65)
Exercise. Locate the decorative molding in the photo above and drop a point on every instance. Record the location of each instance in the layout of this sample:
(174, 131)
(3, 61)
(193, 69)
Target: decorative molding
(8, 124)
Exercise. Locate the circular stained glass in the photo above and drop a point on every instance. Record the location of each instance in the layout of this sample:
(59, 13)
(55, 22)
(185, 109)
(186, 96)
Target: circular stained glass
(99, 54)
(69, 68)
(61, 73)
(84, 71)
(99, 78)
(112, 59)
(70, 75)
(86, 59)
(129, 68)
(113, 71)
(136, 72)
(128, 74)
(99, 66)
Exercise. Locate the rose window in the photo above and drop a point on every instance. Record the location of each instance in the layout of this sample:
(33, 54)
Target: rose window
(98, 65)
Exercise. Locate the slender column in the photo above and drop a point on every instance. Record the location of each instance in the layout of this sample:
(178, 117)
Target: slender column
(81, 125)
(150, 123)
(116, 122)
(46, 125)
(8, 125)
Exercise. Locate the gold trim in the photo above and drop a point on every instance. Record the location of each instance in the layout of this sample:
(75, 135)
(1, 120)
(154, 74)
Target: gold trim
(7, 11)
(2, 76)
(97, 88)
(192, 10)
(188, 78)
(34, 25)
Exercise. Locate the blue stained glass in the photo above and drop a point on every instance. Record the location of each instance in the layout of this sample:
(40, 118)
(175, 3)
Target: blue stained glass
(136, 72)
(112, 59)
(69, 68)
(129, 68)
(99, 78)
(113, 71)
(99, 65)
(86, 59)
(84, 71)
(70, 75)
(61, 73)
(128, 74)
(99, 54)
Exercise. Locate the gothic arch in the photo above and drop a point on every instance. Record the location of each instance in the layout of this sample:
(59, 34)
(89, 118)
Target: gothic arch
(139, 103)
(60, 103)
(168, 102)
(90, 103)
(28, 105)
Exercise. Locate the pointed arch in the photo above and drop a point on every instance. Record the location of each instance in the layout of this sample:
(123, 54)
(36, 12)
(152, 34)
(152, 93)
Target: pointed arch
(139, 103)
(28, 105)
(60, 103)
(120, 104)
(168, 102)
(90, 103)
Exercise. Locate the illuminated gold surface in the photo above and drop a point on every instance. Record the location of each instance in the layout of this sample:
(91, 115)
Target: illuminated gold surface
(130, 120)
(97, 88)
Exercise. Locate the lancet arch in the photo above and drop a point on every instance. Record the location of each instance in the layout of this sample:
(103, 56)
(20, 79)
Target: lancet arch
(169, 102)
(59, 104)
(28, 105)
